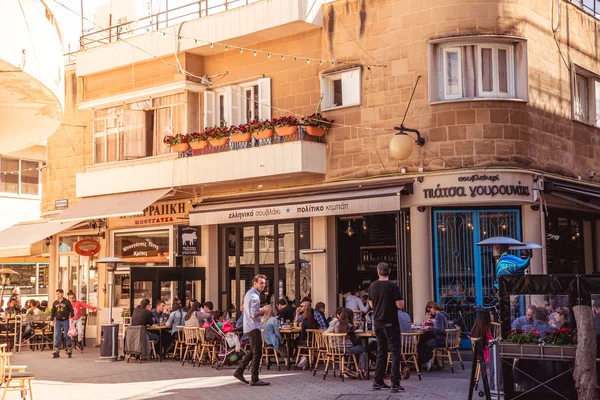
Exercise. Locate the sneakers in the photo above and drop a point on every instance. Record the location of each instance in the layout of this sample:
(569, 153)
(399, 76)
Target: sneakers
(79, 346)
(350, 374)
(260, 383)
(380, 386)
(362, 373)
(397, 389)
(56, 353)
(428, 366)
(240, 377)
(303, 362)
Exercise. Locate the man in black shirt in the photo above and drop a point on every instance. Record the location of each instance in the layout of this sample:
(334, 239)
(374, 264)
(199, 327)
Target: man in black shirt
(386, 300)
(286, 311)
(143, 316)
(62, 311)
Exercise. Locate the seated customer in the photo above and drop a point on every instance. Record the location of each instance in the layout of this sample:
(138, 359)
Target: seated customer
(405, 323)
(440, 324)
(308, 322)
(143, 316)
(526, 319)
(285, 310)
(158, 312)
(344, 324)
(306, 303)
(540, 322)
(176, 318)
(561, 318)
(355, 303)
(271, 334)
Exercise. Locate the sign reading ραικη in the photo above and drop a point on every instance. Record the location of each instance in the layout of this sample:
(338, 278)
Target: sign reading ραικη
(188, 240)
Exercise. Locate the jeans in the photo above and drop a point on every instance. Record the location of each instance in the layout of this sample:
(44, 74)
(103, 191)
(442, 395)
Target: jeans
(79, 326)
(152, 336)
(359, 350)
(429, 345)
(254, 354)
(65, 327)
(388, 338)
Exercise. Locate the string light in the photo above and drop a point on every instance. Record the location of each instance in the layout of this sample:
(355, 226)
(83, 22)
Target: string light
(241, 50)
(269, 55)
(254, 53)
(211, 43)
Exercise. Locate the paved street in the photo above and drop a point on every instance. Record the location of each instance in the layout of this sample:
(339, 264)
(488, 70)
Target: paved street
(82, 377)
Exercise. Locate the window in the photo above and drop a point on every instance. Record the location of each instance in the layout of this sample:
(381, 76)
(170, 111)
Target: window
(585, 89)
(463, 70)
(341, 89)
(137, 130)
(20, 177)
(237, 104)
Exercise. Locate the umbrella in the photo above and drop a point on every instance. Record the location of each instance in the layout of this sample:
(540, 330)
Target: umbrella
(500, 240)
(526, 246)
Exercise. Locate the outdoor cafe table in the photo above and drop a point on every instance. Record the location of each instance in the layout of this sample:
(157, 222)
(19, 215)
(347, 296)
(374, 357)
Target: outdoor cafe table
(289, 334)
(158, 328)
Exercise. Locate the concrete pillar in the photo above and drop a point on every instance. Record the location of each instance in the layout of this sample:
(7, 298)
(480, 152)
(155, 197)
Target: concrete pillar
(210, 261)
(422, 262)
(532, 226)
(324, 273)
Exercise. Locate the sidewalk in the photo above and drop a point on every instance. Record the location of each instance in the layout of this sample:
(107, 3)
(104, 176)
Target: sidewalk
(82, 377)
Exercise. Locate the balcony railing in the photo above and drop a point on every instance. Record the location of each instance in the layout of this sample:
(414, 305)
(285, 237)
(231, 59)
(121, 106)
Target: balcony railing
(122, 28)
(591, 7)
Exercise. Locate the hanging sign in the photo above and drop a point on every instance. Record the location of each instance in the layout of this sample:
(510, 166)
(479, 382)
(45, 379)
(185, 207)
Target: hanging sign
(188, 240)
(87, 247)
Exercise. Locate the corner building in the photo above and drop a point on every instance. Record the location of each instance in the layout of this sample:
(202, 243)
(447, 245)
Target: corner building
(505, 102)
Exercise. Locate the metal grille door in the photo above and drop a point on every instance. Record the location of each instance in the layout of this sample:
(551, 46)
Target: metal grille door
(465, 273)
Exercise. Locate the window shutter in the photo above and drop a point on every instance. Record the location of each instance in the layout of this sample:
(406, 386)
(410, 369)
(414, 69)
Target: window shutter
(134, 122)
(264, 98)
(325, 93)
(351, 88)
(597, 101)
(235, 105)
(193, 109)
(209, 109)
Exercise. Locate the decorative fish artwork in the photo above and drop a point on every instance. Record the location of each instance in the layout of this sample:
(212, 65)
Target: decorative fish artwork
(509, 264)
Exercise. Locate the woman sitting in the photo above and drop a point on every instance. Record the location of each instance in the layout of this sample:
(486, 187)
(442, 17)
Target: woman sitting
(308, 322)
(561, 318)
(270, 326)
(440, 324)
(343, 323)
(191, 319)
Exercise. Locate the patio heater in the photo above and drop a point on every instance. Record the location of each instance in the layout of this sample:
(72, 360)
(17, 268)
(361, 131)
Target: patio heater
(109, 347)
(5, 274)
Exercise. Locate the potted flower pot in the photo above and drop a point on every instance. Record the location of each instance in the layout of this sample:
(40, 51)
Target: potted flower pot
(198, 145)
(241, 137)
(264, 134)
(286, 130)
(180, 147)
(218, 142)
(314, 131)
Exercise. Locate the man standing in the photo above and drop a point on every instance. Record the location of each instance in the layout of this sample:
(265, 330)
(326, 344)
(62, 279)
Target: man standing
(386, 300)
(252, 314)
(62, 311)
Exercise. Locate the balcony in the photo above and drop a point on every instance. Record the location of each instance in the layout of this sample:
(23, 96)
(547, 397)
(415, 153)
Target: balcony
(239, 22)
(290, 158)
(31, 75)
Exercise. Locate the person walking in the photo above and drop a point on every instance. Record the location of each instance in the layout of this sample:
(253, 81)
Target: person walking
(62, 311)
(78, 318)
(386, 300)
(252, 326)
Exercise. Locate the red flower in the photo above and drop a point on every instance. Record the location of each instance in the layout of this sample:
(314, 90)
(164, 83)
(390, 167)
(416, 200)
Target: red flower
(566, 330)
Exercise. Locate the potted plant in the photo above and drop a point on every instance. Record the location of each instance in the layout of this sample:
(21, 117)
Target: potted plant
(197, 140)
(262, 129)
(286, 126)
(554, 345)
(240, 133)
(177, 143)
(316, 124)
(217, 135)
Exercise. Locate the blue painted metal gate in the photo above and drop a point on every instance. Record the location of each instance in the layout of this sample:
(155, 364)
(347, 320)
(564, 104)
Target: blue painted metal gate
(465, 273)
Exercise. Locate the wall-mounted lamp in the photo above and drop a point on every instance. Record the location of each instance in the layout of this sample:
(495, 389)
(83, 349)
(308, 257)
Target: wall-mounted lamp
(98, 224)
(48, 241)
(349, 229)
(365, 227)
(401, 145)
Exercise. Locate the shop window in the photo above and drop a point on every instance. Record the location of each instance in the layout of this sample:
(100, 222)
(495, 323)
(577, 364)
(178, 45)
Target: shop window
(146, 247)
(238, 104)
(20, 177)
(565, 238)
(341, 89)
(472, 68)
(585, 90)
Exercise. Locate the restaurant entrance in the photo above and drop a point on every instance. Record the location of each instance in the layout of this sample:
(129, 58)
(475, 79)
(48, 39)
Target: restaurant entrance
(363, 241)
(251, 249)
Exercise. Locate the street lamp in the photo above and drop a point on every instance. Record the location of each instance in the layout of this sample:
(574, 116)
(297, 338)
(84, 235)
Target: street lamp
(111, 267)
(401, 145)
(5, 273)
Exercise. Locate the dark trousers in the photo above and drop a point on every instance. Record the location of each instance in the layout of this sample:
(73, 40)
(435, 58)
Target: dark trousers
(388, 339)
(253, 355)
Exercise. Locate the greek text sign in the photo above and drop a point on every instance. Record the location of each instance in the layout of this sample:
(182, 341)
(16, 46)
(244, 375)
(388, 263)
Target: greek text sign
(188, 240)
(167, 212)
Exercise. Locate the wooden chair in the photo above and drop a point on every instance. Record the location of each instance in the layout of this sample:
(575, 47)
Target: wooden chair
(179, 342)
(496, 330)
(451, 345)
(206, 348)
(308, 349)
(191, 341)
(336, 354)
(478, 368)
(408, 351)
(18, 368)
(321, 350)
(8, 331)
(10, 376)
(268, 351)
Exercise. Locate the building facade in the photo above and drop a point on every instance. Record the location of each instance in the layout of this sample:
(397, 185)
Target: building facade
(503, 97)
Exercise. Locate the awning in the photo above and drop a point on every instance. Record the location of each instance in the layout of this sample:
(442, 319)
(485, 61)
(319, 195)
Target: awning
(585, 195)
(111, 205)
(334, 203)
(16, 241)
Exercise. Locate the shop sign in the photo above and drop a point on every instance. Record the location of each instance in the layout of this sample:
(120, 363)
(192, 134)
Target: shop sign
(87, 247)
(168, 212)
(188, 240)
(140, 248)
(484, 189)
(63, 203)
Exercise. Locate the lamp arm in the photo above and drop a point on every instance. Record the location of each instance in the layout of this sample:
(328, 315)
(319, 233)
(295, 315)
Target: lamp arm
(420, 141)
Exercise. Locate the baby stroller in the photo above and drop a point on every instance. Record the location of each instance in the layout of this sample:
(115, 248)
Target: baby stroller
(231, 351)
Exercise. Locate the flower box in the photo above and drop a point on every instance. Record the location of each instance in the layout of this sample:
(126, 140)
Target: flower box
(263, 134)
(218, 142)
(198, 145)
(286, 130)
(537, 351)
(241, 137)
(315, 131)
(180, 147)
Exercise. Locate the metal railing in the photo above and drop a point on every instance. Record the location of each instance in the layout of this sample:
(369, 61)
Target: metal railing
(591, 7)
(119, 29)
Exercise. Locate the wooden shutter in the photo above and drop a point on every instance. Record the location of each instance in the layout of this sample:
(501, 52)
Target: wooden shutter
(264, 98)
(209, 109)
